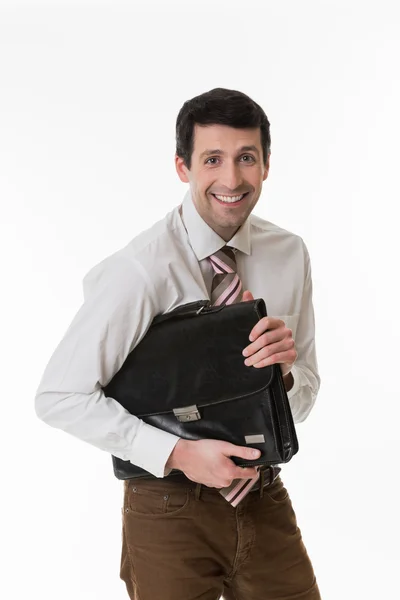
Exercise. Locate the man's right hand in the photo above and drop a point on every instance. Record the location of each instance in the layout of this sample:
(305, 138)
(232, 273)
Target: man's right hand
(208, 462)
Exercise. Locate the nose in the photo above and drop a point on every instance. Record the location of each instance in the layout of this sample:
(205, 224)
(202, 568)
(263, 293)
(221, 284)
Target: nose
(231, 176)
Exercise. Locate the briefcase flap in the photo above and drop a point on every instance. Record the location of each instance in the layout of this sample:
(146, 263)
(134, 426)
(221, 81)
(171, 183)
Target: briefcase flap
(191, 358)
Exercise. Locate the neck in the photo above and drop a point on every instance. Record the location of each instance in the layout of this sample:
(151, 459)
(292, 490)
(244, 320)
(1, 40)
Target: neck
(225, 233)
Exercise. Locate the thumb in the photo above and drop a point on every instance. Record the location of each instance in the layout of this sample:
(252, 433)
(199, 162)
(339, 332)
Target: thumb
(247, 296)
(241, 451)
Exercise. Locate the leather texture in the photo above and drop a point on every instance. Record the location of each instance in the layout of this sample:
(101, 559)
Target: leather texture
(192, 357)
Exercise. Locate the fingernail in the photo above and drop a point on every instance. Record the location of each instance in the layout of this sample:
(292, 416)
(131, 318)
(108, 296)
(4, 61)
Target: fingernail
(256, 453)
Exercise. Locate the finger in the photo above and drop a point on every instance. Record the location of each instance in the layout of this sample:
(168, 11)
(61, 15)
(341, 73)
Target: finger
(240, 451)
(267, 351)
(247, 296)
(263, 325)
(283, 357)
(266, 339)
(245, 473)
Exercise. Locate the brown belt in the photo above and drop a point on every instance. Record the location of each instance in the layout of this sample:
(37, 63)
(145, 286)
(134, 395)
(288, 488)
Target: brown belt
(267, 477)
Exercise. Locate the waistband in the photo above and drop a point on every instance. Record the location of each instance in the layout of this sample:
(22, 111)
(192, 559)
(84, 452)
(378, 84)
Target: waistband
(268, 475)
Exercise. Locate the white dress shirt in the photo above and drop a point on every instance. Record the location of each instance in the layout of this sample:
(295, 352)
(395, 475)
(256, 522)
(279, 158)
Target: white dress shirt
(160, 269)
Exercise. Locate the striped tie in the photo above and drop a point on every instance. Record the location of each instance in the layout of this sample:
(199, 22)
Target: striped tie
(227, 288)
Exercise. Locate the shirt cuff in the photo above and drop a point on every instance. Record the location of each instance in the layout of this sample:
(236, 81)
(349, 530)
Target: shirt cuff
(296, 382)
(152, 448)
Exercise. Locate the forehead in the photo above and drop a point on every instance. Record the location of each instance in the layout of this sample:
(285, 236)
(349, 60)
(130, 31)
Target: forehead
(225, 138)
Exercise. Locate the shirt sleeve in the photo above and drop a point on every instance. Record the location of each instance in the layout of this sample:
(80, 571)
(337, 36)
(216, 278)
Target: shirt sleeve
(119, 305)
(307, 381)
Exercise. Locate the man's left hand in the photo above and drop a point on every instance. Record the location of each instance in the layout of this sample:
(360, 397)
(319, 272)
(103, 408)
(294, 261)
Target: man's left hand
(269, 347)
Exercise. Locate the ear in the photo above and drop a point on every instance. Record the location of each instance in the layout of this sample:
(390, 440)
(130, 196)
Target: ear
(181, 169)
(266, 168)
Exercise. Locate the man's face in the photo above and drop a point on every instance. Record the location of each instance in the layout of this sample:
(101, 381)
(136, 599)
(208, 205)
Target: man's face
(226, 175)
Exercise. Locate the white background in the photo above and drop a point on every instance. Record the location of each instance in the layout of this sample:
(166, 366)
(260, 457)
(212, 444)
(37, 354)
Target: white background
(89, 94)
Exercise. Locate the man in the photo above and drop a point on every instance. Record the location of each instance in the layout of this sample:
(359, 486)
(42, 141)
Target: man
(181, 538)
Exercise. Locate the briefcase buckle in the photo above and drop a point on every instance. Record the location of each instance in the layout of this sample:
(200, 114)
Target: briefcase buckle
(187, 413)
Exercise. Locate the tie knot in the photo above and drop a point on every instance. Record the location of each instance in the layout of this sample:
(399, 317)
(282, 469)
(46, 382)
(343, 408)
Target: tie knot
(224, 260)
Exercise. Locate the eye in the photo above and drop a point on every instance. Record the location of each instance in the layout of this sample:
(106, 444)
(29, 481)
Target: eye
(211, 158)
(248, 156)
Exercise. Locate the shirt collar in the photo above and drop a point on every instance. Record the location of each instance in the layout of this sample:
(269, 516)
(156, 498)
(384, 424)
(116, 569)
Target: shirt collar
(204, 240)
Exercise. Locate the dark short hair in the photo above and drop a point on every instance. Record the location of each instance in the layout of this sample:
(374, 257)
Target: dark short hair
(219, 107)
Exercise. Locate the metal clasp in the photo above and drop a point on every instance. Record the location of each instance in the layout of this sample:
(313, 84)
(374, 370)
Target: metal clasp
(206, 307)
(187, 413)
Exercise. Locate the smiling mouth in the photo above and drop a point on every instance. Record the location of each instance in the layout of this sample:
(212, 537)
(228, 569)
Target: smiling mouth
(230, 200)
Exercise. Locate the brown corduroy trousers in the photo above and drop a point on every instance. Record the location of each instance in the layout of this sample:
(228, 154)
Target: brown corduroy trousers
(182, 541)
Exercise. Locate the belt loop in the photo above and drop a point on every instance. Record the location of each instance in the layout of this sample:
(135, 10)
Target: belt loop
(271, 474)
(261, 483)
(197, 491)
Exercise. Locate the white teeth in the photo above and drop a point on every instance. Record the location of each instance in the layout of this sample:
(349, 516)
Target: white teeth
(229, 198)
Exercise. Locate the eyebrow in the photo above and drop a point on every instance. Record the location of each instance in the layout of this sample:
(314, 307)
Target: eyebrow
(219, 152)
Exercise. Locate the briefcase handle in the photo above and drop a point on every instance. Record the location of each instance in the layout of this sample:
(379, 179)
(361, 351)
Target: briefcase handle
(203, 307)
